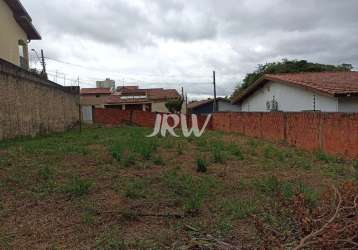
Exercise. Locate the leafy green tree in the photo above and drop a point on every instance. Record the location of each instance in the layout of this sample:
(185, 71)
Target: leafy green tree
(288, 66)
(174, 106)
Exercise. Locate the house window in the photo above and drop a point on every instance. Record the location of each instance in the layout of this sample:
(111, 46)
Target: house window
(23, 54)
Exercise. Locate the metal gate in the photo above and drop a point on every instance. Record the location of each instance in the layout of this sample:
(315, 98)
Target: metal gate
(87, 114)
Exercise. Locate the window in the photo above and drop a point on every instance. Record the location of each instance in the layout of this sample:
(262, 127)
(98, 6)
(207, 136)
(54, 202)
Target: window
(22, 54)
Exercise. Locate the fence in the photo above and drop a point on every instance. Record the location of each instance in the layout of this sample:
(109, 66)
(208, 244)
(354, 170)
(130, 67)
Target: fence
(333, 133)
(140, 118)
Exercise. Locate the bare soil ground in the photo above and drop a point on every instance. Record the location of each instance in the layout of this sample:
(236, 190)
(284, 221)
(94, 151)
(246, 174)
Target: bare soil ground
(113, 188)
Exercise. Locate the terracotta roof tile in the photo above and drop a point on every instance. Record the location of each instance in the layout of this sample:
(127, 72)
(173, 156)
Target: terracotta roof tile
(331, 83)
(158, 94)
(197, 104)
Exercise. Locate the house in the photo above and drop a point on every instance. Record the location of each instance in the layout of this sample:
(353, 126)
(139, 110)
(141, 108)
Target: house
(16, 23)
(296, 92)
(207, 106)
(135, 98)
(95, 97)
(91, 98)
(108, 83)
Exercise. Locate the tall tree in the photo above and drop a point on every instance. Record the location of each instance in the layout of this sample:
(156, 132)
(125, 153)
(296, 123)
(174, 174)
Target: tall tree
(288, 66)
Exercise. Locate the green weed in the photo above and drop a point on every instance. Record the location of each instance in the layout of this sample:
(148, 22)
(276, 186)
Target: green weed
(192, 191)
(238, 209)
(135, 189)
(321, 156)
(201, 166)
(236, 151)
(218, 155)
(158, 160)
(111, 240)
(78, 187)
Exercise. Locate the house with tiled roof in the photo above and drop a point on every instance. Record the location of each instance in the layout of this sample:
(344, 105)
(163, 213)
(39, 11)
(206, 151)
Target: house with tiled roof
(95, 97)
(296, 92)
(126, 98)
(135, 98)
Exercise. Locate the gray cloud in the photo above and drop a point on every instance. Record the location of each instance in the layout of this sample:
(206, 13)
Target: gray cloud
(179, 42)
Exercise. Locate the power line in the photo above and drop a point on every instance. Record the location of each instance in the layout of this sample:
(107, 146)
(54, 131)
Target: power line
(108, 71)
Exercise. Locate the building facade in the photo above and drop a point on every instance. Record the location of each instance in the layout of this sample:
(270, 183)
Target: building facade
(108, 83)
(16, 31)
(325, 92)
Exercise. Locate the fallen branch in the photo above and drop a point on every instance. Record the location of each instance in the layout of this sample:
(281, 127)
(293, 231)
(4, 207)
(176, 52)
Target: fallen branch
(306, 240)
(136, 214)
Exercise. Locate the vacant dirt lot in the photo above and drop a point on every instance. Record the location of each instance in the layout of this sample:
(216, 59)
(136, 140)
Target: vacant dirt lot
(116, 189)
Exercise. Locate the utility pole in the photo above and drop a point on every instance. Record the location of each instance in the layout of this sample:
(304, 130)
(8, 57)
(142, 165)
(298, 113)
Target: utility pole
(79, 103)
(186, 104)
(43, 63)
(214, 82)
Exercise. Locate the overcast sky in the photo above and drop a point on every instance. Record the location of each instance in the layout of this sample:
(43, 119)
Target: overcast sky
(174, 43)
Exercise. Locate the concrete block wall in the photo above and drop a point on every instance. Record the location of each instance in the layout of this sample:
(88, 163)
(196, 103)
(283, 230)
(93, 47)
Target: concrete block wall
(30, 105)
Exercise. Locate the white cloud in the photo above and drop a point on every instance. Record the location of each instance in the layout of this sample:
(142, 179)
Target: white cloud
(174, 43)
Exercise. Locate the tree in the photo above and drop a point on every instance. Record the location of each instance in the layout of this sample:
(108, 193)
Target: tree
(287, 66)
(175, 105)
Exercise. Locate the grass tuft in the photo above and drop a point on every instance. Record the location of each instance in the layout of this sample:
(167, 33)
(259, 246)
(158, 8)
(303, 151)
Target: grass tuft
(78, 187)
(201, 166)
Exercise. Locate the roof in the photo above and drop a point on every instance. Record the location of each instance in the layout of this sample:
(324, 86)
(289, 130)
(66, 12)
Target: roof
(124, 88)
(197, 104)
(95, 91)
(160, 94)
(149, 95)
(23, 18)
(328, 83)
(115, 99)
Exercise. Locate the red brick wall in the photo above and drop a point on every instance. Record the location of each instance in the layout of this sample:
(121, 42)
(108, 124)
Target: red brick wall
(333, 133)
(140, 118)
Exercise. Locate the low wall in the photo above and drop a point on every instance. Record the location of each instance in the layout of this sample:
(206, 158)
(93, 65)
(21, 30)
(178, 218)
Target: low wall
(333, 133)
(140, 118)
(30, 105)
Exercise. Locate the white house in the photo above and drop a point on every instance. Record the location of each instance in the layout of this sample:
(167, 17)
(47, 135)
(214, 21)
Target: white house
(296, 92)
